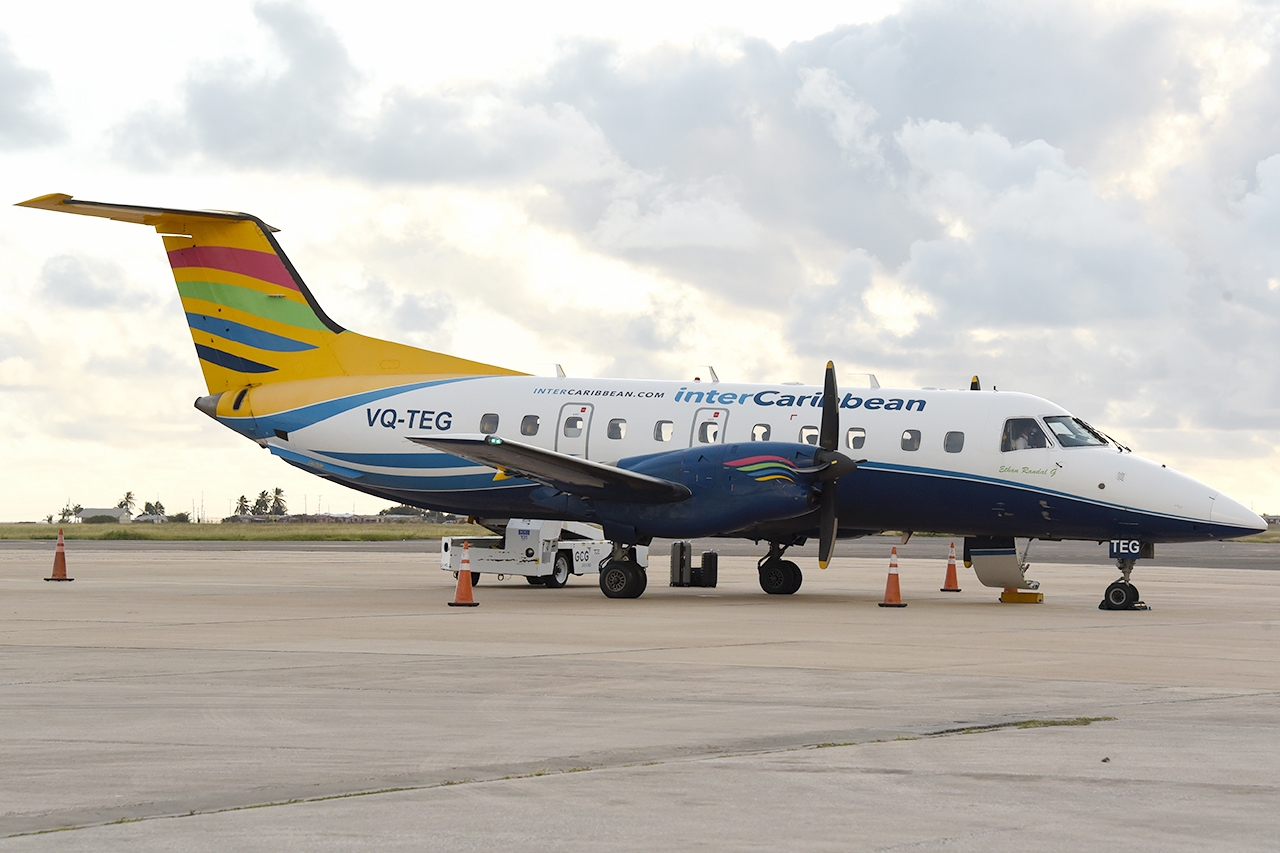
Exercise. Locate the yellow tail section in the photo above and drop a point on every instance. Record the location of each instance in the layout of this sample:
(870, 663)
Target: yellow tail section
(253, 321)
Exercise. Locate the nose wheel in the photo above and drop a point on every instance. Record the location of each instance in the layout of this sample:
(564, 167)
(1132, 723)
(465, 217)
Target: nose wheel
(1122, 595)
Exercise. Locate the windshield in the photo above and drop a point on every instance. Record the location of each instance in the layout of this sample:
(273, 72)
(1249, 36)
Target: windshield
(1073, 432)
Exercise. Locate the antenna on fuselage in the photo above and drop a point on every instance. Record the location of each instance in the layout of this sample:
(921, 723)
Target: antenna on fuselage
(974, 384)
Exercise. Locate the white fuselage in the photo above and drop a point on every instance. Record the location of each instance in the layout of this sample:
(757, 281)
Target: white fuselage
(914, 477)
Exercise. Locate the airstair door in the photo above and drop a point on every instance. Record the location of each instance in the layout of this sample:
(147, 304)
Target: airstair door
(573, 428)
(709, 427)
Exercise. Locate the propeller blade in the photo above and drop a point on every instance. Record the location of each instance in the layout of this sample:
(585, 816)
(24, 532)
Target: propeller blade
(828, 436)
(828, 524)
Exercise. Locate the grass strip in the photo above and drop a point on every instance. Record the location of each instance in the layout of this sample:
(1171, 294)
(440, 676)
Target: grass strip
(267, 532)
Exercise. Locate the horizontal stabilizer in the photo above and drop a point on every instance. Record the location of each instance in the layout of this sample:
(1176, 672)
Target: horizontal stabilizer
(569, 474)
(137, 214)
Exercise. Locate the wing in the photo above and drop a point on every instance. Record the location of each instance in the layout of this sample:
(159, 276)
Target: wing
(567, 473)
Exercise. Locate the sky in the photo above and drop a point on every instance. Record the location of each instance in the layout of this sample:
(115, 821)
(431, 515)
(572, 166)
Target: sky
(1077, 200)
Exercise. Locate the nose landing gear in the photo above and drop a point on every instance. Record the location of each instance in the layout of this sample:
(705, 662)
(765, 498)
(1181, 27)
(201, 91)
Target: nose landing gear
(1122, 595)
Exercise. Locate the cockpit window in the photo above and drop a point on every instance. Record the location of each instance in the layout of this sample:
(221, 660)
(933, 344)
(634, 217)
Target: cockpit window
(1022, 434)
(1073, 432)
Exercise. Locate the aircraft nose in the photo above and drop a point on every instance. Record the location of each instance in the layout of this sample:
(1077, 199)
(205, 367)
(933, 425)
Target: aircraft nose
(1228, 512)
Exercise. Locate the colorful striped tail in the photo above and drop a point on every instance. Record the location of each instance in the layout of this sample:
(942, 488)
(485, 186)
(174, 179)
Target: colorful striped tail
(252, 319)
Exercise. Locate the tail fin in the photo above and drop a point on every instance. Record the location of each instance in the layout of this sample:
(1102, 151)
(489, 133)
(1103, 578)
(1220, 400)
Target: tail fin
(252, 319)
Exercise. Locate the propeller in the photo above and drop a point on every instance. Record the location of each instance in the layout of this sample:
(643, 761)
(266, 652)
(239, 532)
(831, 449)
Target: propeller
(829, 465)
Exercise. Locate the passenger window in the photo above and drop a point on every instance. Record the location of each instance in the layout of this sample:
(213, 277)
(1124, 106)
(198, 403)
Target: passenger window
(572, 427)
(760, 432)
(489, 424)
(911, 439)
(529, 425)
(708, 432)
(663, 430)
(1022, 434)
(953, 442)
(855, 438)
(809, 435)
(617, 428)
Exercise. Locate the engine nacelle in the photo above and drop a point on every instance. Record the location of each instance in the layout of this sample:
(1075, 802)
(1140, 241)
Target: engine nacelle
(733, 486)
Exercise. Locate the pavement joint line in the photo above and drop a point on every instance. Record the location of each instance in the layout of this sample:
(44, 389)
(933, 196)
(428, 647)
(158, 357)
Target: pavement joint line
(434, 657)
(565, 766)
(948, 840)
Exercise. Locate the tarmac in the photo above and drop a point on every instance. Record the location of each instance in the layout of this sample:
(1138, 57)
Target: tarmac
(194, 696)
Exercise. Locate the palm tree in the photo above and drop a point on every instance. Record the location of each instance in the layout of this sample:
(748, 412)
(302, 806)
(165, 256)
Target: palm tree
(127, 502)
(262, 504)
(277, 502)
(242, 506)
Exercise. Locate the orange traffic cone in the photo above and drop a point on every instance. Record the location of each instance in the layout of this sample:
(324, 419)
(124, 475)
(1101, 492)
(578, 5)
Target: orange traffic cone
(951, 584)
(892, 592)
(462, 595)
(60, 561)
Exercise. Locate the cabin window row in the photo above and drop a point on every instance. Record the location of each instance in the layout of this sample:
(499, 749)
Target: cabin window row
(709, 432)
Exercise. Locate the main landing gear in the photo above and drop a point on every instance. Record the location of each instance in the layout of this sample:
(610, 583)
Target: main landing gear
(779, 576)
(622, 576)
(1122, 595)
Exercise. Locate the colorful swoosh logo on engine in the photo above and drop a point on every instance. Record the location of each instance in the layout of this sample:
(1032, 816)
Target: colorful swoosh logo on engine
(762, 468)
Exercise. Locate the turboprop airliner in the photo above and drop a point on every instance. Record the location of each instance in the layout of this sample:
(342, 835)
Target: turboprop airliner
(779, 464)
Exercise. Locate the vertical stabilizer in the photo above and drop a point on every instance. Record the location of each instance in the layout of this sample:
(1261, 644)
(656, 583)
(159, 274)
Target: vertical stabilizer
(252, 319)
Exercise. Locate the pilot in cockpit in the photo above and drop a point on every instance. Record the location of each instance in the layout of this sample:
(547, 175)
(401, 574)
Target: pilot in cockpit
(1022, 434)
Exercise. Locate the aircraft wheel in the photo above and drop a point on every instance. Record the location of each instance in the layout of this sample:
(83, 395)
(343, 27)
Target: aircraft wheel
(643, 579)
(475, 578)
(795, 577)
(535, 581)
(560, 574)
(619, 580)
(1119, 596)
(775, 579)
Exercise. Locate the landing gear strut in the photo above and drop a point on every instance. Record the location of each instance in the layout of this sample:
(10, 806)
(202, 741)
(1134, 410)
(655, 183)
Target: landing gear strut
(622, 576)
(779, 576)
(1122, 595)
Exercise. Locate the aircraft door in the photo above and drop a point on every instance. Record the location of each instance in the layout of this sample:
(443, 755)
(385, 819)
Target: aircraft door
(573, 427)
(709, 427)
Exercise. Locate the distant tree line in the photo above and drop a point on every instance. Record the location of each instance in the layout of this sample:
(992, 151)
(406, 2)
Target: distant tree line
(267, 505)
(71, 512)
(428, 515)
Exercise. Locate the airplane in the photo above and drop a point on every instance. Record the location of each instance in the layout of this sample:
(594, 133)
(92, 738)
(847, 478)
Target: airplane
(775, 463)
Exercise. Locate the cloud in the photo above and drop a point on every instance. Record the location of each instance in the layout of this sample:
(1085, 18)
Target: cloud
(1069, 198)
(850, 119)
(24, 114)
(669, 223)
(425, 319)
(237, 113)
(76, 281)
